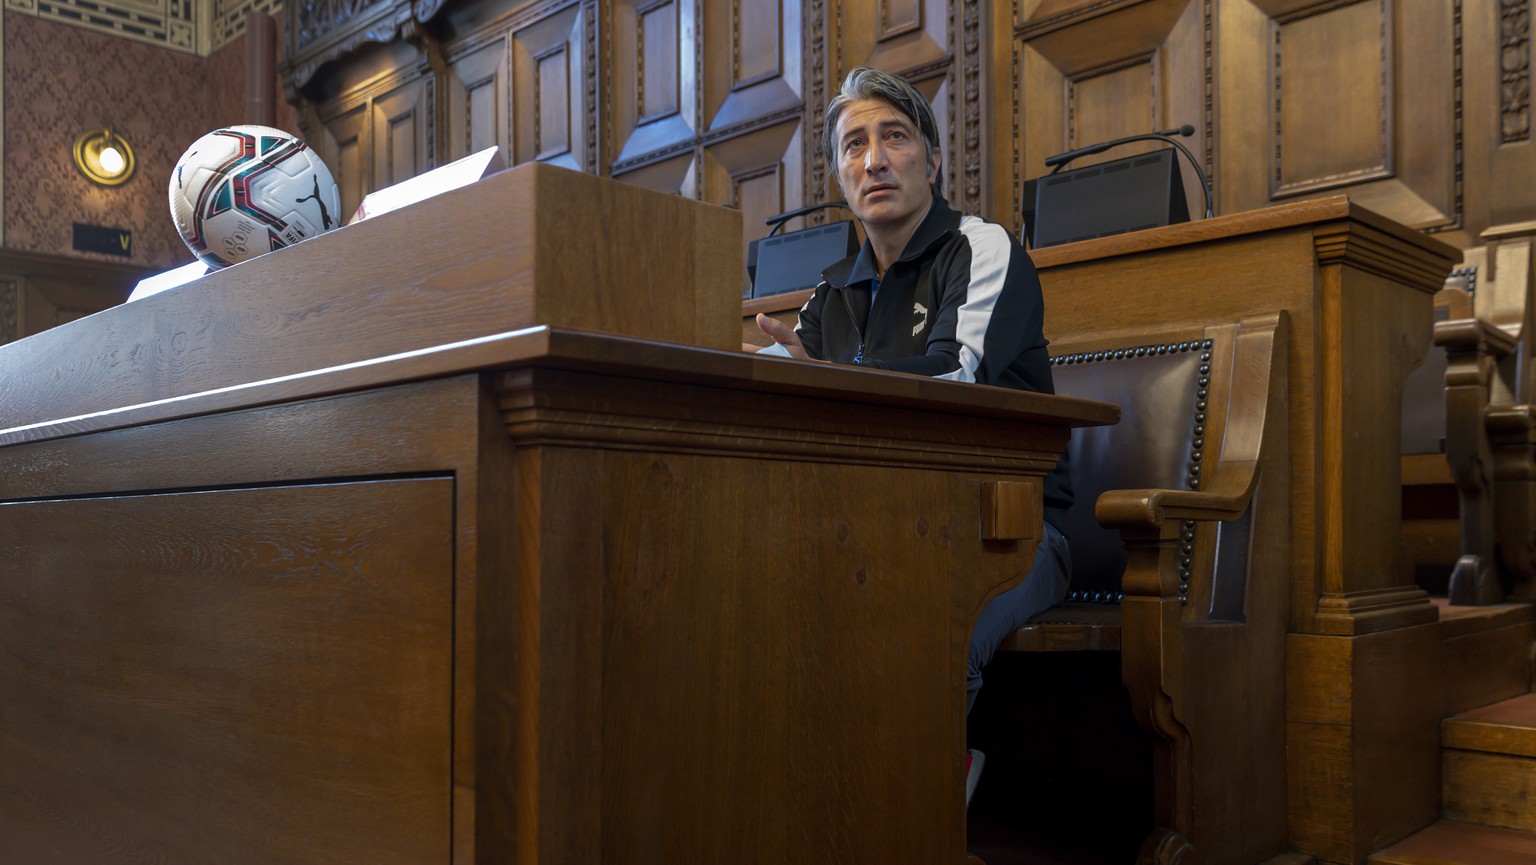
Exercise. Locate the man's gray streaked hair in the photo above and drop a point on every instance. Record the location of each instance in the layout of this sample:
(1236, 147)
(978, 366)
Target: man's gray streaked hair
(866, 83)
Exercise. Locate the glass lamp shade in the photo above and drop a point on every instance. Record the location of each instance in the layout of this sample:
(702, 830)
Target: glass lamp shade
(104, 157)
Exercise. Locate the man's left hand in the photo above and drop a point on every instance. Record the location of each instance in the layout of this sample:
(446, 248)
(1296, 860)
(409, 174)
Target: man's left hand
(783, 335)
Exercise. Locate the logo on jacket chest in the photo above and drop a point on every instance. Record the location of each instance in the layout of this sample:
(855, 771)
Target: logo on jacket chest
(921, 312)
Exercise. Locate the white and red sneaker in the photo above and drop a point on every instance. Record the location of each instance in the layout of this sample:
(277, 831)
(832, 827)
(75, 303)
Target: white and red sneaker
(974, 760)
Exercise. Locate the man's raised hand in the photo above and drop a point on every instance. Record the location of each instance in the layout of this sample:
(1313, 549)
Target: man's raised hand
(784, 335)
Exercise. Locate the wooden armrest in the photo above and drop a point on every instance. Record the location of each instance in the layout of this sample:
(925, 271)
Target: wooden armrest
(1225, 499)
(1236, 473)
(1510, 420)
(1473, 335)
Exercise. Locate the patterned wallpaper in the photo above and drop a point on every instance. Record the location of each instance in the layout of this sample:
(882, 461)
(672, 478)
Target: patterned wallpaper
(61, 80)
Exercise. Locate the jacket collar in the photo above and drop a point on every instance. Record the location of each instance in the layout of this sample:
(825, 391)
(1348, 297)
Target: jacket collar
(940, 221)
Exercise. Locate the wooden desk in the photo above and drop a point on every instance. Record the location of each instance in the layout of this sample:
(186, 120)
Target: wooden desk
(528, 596)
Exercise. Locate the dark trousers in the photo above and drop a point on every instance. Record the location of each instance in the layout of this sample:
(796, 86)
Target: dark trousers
(1044, 587)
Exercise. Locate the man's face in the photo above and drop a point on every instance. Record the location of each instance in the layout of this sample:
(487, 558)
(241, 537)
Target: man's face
(882, 164)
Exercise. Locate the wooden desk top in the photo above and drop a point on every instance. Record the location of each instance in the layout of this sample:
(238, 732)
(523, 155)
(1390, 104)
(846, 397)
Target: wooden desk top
(1283, 216)
(70, 411)
(1415, 257)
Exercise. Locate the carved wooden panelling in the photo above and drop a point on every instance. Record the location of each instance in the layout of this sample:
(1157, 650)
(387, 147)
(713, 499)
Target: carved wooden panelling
(1501, 162)
(552, 86)
(937, 90)
(758, 196)
(1418, 110)
(1365, 98)
(345, 150)
(1113, 103)
(1042, 111)
(1514, 70)
(401, 124)
(659, 60)
(1331, 66)
(675, 175)
(752, 65)
(477, 94)
(761, 173)
(1089, 73)
(655, 52)
(899, 16)
(756, 41)
(483, 121)
(733, 137)
(982, 114)
(316, 24)
(910, 37)
(549, 102)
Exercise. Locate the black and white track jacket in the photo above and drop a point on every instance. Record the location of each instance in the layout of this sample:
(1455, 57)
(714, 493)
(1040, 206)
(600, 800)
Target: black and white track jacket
(962, 302)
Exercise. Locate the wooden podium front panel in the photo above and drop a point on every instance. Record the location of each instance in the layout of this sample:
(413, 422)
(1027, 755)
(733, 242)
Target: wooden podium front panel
(739, 627)
(768, 675)
(255, 675)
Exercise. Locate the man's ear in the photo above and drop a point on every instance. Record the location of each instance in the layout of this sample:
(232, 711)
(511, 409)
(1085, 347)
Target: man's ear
(934, 163)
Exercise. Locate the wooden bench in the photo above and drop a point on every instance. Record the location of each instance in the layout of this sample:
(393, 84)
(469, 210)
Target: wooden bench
(1431, 513)
(1489, 417)
(1194, 482)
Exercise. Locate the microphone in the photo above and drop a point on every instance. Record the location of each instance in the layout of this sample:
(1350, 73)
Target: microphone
(1169, 136)
(1060, 160)
(781, 219)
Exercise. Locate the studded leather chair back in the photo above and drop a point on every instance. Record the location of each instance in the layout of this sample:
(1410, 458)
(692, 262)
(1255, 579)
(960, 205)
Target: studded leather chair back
(1158, 443)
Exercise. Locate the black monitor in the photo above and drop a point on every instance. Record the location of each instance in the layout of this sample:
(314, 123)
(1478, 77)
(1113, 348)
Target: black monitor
(1127, 194)
(794, 261)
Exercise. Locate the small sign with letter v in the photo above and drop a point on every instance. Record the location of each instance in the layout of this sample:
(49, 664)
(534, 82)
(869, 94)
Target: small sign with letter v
(99, 238)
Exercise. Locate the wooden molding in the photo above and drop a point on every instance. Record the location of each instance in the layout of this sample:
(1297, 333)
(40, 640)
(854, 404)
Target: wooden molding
(1075, 37)
(1370, 611)
(1360, 238)
(1514, 71)
(889, 28)
(543, 406)
(1369, 248)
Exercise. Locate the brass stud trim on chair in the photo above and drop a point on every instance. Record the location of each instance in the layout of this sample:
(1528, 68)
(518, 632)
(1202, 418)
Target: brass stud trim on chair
(1196, 452)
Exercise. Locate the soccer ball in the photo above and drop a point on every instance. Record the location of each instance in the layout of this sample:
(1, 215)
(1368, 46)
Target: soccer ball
(243, 190)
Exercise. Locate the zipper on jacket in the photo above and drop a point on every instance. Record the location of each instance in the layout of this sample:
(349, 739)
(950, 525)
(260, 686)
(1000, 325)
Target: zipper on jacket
(858, 357)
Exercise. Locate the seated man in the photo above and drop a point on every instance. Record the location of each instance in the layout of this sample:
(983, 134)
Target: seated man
(934, 293)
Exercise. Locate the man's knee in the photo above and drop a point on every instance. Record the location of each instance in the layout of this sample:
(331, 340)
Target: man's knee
(976, 658)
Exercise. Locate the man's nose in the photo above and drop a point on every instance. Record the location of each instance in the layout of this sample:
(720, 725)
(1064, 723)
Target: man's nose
(874, 158)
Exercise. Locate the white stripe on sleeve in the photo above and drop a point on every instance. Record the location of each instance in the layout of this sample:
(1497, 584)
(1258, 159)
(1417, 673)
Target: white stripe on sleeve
(990, 252)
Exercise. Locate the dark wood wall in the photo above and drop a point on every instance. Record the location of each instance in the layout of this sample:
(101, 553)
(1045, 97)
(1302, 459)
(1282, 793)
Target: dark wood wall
(1419, 109)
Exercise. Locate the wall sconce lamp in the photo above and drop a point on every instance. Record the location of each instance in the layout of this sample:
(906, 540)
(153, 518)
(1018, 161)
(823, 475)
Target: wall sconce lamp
(104, 157)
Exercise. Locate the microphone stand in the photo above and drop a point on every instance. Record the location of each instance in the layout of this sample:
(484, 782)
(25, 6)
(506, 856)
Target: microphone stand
(783, 219)
(1060, 160)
